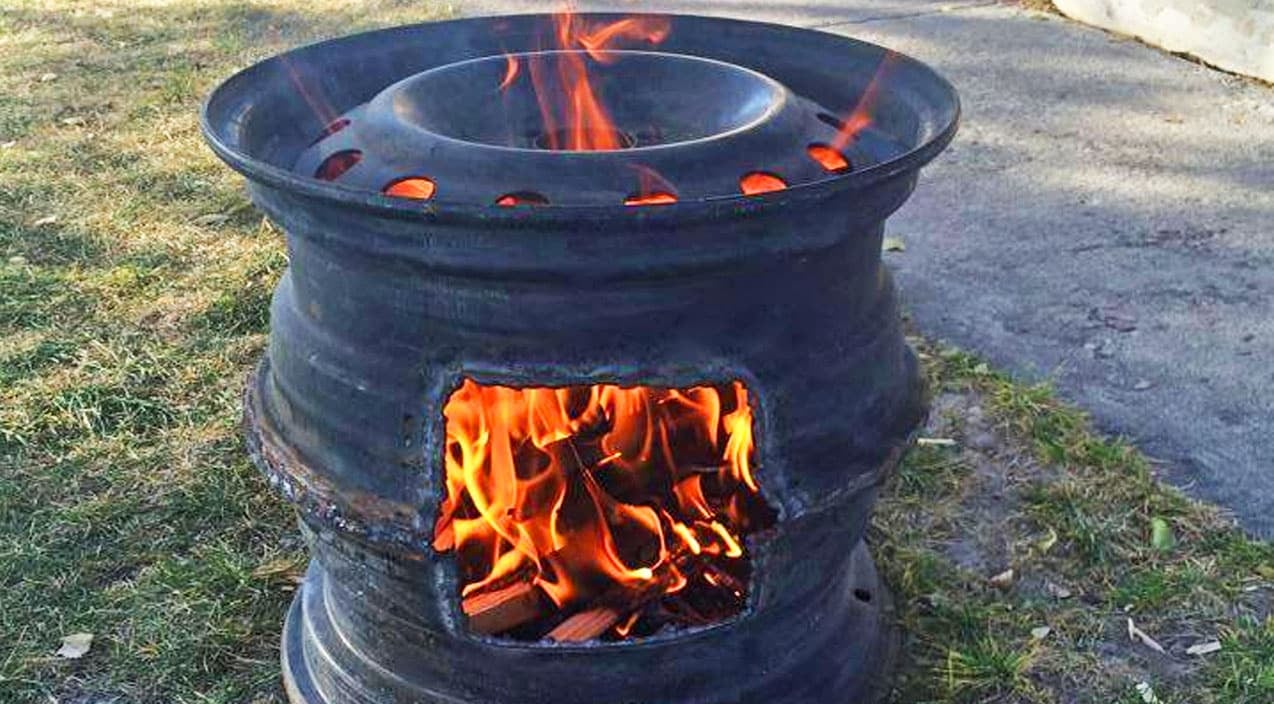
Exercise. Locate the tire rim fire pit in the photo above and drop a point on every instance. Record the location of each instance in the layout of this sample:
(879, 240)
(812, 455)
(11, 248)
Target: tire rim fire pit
(585, 370)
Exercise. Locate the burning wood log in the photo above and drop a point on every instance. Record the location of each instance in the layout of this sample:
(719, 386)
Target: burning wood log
(585, 625)
(445, 534)
(717, 575)
(499, 610)
(687, 613)
(622, 602)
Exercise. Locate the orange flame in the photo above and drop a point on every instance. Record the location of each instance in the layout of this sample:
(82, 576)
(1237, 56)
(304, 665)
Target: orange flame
(511, 70)
(599, 39)
(572, 114)
(652, 189)
(583, 490)
(860, 118)
(304, 85)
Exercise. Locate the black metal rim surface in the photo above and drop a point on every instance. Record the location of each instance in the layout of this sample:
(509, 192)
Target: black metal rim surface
(870, 628)
(218, 115)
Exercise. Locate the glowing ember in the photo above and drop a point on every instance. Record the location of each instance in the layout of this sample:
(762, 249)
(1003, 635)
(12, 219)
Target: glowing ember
(573, 116)
(760, 182)
(592, 511)
(419, 188)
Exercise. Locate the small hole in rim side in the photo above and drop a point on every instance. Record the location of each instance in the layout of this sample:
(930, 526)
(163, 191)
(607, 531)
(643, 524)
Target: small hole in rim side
(415, 187)
(337, 164)
(655, 198)
(831, 120)
(332, 128)
(509, 200)
(862, 595)
(757, 182)
(831, 159)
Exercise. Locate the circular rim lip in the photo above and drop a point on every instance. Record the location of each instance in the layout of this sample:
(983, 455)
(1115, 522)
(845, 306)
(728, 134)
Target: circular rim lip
(778, 92)
(408, 209)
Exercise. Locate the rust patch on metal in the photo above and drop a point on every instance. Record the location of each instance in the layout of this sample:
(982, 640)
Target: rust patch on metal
(318, 500)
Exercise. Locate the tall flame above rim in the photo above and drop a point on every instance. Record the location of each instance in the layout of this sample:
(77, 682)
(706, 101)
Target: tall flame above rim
(572, 114)
(863, 114)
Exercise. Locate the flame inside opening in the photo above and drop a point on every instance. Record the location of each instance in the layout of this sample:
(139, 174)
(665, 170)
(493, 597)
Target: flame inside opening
(656, 198)
(335, 166)
(417, 187)
(758, 182)
(599, 511)
(508, 200)
(830, 159)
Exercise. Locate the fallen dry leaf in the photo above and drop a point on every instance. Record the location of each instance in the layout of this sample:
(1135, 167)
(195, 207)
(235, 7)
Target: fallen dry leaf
(1204, 648)
(935, 442)
(1003, 580)
(75, 646)
(45, 78)
(9, 144)
(1041, 632)
(46, 220)
(1136, 634)
(1161, 537)
(211, 219)
(1147, 693)
(1057, 590)
(287, 570)
(1047, 542)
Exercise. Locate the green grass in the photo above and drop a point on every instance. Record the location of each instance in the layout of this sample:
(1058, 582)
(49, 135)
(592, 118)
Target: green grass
(134, 290)
(1246, 670)
(1070, 512)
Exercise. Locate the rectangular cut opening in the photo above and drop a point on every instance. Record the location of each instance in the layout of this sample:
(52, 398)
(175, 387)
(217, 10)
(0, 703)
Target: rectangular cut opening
(599, 511)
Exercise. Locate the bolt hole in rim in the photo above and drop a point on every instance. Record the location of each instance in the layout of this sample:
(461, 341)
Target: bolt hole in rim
(415, 187)
(332, 128)
(510, 200)
(335, 166)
